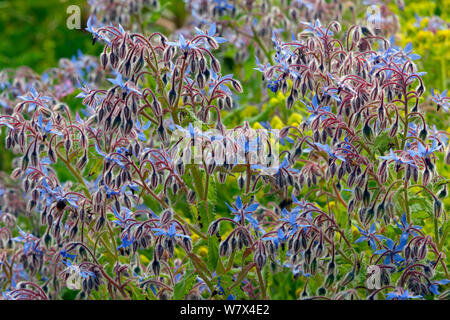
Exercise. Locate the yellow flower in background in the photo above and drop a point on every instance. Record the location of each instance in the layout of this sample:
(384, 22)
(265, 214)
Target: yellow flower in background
(443, 35)
(249, 112)
(279, 98)
(424, 23)
(195, 237)
(424, 35)
(276, 123)
(295, 119)
(203, 251)
(257, 126)
(144, 259)
(274, 100)
(355, 231)
(280, 95)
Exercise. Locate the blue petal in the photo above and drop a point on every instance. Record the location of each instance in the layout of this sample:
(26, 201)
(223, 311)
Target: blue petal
(238, 203)
(372, 228)
(361, 239)
(252, 207)
(212, 30)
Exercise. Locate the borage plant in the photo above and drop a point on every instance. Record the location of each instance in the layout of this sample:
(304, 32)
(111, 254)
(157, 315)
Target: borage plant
(336, 205)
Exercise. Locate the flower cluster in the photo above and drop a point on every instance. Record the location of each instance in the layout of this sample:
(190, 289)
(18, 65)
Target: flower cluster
(123, 12)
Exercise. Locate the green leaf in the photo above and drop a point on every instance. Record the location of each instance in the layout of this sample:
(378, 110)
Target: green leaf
(420, 207)
(68, 294)
(183, 287)
(213, 253)
(382, 142)
(341, 218)
(212, 198)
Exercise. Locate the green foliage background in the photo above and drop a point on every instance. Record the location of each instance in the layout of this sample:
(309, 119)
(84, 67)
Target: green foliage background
(34, 33)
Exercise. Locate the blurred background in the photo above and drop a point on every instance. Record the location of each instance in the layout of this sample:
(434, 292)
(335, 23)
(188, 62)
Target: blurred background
(34, 32)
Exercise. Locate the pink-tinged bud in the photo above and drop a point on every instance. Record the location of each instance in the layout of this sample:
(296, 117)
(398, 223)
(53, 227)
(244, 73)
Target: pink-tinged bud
(157, 109)
(82, 162)
(191, 196)
(426, 177)
(415, 174)
(213, 228)
(437, 208)
(223, 248)
(200, 80)
(127, 201)
(366, 197)
(100, 223)
(358, 194)
(25, 161)
(220, 103)
(215, 65)
(187, 244)
(211, 166)
(16, 173)
(154, 180)
(222, 177)
(166, 216)
(123, 48)
(241, 182)
(193, 63)
(237, 86)
(156, 267)
(213, 43)
(9, 142)
(382, 168)
(304, 88)
(114, 60)
(169, 53)
(351, 206)
(351, 180)
(259, 260)
(228, 103)
(408, 172)
(422, 251)
(104, 60)
(68, 145)
(107, 179)
(202, 64)
(159, 250)
(22, 139)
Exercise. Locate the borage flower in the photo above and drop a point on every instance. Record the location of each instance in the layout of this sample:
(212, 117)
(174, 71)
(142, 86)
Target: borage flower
(370, 236)
(441, 100)
(170, 234)
(392, 251)
(401, 295)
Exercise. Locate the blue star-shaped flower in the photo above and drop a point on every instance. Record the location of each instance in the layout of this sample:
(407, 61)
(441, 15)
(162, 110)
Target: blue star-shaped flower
(369, 236)
(397, 160)
(392, 253)
(406, 295)
(425, 151)
(171, 233)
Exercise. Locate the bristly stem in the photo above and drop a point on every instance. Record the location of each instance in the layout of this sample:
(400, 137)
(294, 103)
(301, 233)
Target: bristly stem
(261, 284)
